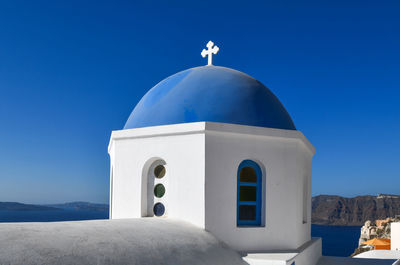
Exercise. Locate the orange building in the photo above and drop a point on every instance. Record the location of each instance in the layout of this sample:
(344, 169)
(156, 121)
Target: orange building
(379, 243)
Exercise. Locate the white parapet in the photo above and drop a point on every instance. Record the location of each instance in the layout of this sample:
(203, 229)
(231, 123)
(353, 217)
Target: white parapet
(308, 254)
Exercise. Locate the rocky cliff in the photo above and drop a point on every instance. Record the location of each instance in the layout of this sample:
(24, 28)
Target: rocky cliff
(336, 210)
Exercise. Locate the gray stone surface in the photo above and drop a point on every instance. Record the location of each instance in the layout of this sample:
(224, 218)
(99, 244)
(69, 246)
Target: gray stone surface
(128, 241)
(326, 260)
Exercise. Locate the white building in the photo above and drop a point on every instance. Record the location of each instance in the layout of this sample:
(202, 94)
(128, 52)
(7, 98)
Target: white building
(392, 256)
(395, 236)
(214, 147)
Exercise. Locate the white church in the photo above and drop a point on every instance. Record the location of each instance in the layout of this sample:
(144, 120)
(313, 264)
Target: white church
(214, 147)
(209, 169)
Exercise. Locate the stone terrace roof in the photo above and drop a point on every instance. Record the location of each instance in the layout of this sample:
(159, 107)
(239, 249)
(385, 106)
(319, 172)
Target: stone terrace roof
(128, 241)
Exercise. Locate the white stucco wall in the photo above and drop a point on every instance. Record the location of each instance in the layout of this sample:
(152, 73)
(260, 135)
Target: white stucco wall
(309, 254)
(395, 236)
(132, 152)
(284, 159)
(201, 181)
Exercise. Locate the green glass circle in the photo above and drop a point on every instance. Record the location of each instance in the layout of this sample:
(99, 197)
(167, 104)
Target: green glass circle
(159, 190)
(159, 171)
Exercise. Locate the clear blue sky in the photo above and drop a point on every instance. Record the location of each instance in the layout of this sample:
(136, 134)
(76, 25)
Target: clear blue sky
(72, 71)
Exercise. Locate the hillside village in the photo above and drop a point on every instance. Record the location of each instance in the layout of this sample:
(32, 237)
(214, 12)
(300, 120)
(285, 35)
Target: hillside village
(378, 229)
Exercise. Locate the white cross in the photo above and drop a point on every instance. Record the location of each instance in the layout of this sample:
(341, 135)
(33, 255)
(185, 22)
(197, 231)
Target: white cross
(210, 51)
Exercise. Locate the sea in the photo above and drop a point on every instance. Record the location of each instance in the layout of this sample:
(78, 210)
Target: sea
(51, 215)
(338, 241)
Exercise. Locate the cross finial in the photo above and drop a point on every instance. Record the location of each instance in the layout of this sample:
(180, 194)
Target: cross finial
(210, 51)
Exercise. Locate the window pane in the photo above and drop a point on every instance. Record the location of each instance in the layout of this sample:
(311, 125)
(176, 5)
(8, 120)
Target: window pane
(159, 209)
(248, 194)
(248, 174)
(159, 171)
(159, 190)
(247, 212)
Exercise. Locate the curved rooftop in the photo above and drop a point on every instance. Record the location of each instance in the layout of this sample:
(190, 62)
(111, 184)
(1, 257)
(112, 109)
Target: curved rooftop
(100, 242)
(210, 93)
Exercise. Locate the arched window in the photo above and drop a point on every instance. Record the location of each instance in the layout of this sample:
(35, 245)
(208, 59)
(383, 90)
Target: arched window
(249, 191)
(154, 182)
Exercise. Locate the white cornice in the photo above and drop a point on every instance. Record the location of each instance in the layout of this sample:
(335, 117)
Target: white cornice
(203, 127)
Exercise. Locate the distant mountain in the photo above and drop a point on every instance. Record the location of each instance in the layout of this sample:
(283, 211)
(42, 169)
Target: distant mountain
(79, 206)
(87, 206)
(16, 206)
(336, 210)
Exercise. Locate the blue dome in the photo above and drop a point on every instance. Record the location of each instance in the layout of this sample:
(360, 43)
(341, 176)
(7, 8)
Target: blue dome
(210, 93)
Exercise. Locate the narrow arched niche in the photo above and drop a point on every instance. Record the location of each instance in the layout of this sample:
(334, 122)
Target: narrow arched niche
(152, 169)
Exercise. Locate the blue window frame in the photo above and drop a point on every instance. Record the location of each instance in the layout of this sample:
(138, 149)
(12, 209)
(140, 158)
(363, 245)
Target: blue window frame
(249, 191)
